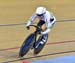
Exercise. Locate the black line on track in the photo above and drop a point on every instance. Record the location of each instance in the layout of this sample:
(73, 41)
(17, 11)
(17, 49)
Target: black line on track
(55, 53)
(65, 20)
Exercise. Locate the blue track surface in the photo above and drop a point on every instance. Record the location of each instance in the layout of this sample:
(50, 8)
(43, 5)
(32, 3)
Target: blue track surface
(64, 59)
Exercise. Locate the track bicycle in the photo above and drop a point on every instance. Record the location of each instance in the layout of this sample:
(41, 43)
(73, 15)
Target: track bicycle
(33, 42)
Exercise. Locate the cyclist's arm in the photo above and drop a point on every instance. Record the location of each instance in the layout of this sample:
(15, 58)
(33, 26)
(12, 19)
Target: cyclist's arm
(49, 25)
(32, 18)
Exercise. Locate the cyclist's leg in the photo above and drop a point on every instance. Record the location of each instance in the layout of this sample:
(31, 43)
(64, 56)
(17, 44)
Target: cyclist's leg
(44, 38)
(40, 23)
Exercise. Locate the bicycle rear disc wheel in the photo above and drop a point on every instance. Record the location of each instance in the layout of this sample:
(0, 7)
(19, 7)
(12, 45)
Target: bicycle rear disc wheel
(38, 49)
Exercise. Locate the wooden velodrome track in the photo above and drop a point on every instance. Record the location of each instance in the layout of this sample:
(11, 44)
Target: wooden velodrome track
(61, 38)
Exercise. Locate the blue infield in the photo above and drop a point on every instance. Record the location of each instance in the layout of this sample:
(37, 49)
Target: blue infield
(63, 59)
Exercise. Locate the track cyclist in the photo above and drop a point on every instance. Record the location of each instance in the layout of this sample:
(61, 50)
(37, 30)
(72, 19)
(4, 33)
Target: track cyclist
(46, 18)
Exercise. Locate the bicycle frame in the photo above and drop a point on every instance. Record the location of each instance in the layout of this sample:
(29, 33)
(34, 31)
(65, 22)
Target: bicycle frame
(38, 30)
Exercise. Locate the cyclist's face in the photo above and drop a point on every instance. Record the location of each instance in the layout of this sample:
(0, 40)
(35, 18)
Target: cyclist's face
(40, 16)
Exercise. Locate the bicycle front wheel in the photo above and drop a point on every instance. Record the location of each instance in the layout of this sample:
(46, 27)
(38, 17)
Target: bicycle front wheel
(26, 45)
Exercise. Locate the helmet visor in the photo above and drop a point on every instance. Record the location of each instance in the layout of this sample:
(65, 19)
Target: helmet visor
(39, 14)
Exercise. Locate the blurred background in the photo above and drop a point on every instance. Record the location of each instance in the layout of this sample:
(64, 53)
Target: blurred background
(13, 15)
(17, 11)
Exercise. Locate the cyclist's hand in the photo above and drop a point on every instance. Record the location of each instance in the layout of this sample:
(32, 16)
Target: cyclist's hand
(27, 27)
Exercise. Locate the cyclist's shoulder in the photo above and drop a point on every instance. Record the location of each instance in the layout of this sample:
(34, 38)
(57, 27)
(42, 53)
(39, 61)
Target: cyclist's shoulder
(49, 12)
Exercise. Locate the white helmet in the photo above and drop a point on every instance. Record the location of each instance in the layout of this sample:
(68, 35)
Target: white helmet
(40, 11)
